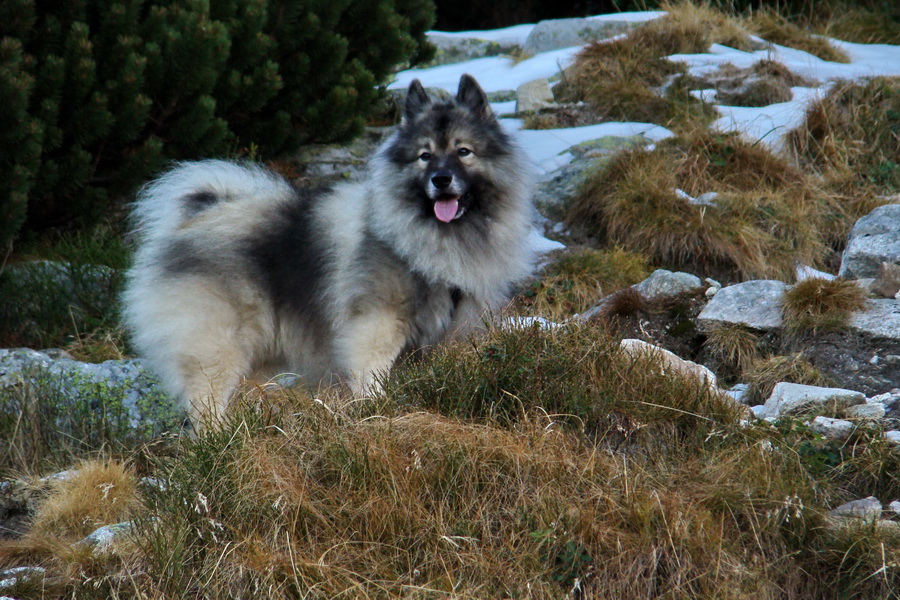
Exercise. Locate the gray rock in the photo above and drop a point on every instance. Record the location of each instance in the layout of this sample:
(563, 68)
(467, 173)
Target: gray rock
(759, 411)
(754, 304)
(122, 392)
(533, 95)
(870, 411)
(892, 436)
(866, 508)
(10, 577)
(739, 392)
(325, 164)
(666, 284)
(887, 280)
(671, 362)
(880, 319)
(453, 49)
(792, 398)
(895, 507)
(564, 33)
(555, 192)
(104, 538)
(835, 429)
(873, 240)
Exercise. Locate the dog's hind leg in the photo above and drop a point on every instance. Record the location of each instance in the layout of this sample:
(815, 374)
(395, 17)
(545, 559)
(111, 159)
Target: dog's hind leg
(199, 341)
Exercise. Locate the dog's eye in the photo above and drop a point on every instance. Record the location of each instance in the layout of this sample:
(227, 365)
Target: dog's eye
(426, 156)
(464, 152)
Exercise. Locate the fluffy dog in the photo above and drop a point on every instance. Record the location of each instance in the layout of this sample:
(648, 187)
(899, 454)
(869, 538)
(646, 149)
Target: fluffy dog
(238, 273)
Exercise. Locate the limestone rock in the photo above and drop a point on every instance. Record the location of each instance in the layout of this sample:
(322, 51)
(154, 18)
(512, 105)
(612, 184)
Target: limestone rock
(880, 319)
(533, 95)
(670, 362)
(873, 240)
(835, 429)
(122, 392)
(870, 411)
(792, 398)
(666, 284)
(564, 33)
(754, 304)
(865, 508)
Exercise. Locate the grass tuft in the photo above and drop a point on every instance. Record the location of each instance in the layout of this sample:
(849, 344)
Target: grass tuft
(852, 136)
(818, 305)
(766, 216)
(733, 346)
(778, 29)
(576, 280)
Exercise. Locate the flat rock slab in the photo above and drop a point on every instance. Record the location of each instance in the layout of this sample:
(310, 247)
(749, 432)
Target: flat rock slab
(881, 319)
(666, 284)
(754, 304)
(873, 240)
(792, 398)
(123, 391)
(564, 33)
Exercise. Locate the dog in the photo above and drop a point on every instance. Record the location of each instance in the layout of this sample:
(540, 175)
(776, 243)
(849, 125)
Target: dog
(237, 273)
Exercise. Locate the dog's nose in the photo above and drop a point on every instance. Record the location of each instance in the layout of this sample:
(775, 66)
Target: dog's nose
(442, 180)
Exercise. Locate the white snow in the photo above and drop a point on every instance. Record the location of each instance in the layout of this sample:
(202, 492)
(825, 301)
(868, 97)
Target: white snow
(768, 123)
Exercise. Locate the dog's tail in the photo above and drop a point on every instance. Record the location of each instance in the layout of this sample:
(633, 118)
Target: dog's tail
(182, 193)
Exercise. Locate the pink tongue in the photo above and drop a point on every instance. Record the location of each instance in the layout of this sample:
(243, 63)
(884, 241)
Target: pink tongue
(445, 210)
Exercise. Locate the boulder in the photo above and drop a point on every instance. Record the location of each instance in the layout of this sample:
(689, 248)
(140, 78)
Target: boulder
(792, 398)
(880, 319)
(754, 304)
(123, 393)
(666, 284)
(866, 508)
(835, 429)
(533, 95)
(873, 240)
(564, 33)
(670, 362)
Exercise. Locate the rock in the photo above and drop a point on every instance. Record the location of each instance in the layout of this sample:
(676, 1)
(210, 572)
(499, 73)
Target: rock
(562, 185)
(565, 33)
(870, 411)
(866, 508)
(533, 95)
(739, 392)
(454, 48)
(104, 539)
(802, 272)
(754, 304)
(880, 319)
(887, 280)
(666, 284)
(670, 362)
(759, 411)
(123, 393)
(10, 577)
(792, 398)
(873, 240)
(835, 429)
(895, 507)
(325, 164)
(892, 436)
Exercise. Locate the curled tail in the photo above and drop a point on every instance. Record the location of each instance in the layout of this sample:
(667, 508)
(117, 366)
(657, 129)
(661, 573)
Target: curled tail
(168, 202)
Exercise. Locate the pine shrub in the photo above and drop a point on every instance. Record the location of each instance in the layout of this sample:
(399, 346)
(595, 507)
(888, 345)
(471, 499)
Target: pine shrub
(98, 94)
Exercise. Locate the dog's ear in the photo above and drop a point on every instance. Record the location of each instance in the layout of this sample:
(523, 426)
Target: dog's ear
(416, 100)
(473, 97)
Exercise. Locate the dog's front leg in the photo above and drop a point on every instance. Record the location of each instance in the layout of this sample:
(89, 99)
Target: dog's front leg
(370, 344)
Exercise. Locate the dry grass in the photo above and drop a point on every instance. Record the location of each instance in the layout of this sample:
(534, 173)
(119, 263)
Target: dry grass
(818, 305)
(852, 135)
(734, 347)
(777, 29)
(577, 279)
(764, 374)
(767, 215)
(764, 83)
(555, 463)
(622, 79)
(97, 493)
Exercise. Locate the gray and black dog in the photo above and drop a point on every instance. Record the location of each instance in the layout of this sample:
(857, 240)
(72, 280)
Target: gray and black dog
(240, 274)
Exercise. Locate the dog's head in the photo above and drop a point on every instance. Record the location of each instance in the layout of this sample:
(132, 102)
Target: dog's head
(449, 152)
